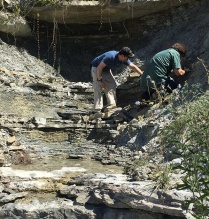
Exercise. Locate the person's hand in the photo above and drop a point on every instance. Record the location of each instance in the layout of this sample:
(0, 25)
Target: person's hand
(141, 73)
(134, 75)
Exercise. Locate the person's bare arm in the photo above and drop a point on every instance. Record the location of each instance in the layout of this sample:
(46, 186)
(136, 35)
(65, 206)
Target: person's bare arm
(178, 71)
(99, 70)
(135, 68)
(99, 73)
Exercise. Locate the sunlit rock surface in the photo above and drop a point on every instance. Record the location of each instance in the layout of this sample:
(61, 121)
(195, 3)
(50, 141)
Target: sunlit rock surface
(87, 12)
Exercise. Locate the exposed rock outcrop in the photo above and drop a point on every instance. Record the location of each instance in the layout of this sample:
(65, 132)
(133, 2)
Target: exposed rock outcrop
(14, 24)
(78, 12)
(44, 115)
(106, 11)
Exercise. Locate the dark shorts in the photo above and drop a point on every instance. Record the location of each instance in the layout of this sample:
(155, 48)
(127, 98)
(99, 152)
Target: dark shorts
(168, 85)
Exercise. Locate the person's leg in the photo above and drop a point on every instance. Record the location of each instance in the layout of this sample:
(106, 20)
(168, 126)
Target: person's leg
(146, 95)
(110, 88)
(98, 97)
(169, 85)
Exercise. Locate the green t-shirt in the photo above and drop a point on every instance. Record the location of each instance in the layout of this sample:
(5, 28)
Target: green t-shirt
(159, 67)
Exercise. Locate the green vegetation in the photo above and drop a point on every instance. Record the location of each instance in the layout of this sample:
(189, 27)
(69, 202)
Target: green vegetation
(46, 2)
(130, 170)
(161, 176)
(189, 134)
(24, 7)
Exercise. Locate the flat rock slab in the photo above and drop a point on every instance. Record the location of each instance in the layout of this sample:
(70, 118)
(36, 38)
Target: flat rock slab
(9, 173)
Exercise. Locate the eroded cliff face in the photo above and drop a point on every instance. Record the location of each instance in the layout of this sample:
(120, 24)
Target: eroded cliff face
(91, 12)
(46, 109)
(70, 45)
(15, 14)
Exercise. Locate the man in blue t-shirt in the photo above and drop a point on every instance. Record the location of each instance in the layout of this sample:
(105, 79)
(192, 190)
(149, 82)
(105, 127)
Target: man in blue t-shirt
(102, 75)
(156, 74)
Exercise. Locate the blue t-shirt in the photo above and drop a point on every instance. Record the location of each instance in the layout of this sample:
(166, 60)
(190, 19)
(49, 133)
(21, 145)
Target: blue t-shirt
(110, 59)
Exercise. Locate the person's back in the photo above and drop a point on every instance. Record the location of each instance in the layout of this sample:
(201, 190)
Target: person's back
(160, 66)
(109, 58)
(156, 74)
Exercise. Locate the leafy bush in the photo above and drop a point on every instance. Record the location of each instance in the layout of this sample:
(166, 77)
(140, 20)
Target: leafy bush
(189, 133)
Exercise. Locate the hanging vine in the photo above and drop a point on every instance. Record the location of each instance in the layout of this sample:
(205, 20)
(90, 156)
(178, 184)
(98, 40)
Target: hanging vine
(101, 18)
(54, 42)
(38, 35)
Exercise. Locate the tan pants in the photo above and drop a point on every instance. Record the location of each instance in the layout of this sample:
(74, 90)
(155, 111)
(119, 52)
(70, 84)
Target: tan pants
(109, 90)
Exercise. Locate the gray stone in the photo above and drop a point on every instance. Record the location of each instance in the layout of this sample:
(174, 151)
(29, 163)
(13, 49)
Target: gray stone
(90, 11)
(12, 197)
(13, 24)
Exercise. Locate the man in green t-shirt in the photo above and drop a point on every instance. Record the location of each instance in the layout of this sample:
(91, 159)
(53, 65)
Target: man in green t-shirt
(156, 74)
